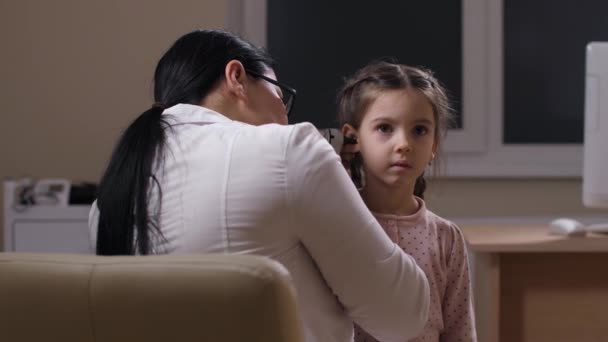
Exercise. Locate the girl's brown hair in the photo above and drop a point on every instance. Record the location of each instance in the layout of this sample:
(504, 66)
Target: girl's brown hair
(362, 89)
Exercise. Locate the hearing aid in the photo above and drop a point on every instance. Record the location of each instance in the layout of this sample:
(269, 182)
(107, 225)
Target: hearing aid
(350, 141)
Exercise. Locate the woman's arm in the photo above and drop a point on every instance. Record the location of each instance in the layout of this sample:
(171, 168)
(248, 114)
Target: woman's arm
(380, 286)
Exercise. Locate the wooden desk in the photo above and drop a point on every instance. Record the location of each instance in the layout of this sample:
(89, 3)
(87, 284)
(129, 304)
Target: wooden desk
(530, 286)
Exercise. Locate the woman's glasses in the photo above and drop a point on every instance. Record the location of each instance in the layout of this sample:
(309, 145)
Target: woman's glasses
(289, 94)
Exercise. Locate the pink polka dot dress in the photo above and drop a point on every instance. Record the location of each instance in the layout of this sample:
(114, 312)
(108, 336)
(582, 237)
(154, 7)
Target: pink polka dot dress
(439, 249)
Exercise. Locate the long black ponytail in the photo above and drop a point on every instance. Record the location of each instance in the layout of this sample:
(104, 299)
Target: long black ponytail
(185, 74)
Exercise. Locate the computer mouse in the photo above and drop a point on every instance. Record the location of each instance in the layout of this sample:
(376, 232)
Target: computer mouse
(567, 227)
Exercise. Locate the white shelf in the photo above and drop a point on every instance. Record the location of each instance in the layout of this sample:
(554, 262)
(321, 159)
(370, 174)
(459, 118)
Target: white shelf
(44, 228)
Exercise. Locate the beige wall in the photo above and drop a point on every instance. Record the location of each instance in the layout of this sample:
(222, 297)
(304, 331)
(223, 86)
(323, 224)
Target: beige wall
(73, 73)
(508, 197)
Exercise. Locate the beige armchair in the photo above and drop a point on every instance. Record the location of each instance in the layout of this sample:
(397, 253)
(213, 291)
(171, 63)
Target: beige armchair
(218, 298)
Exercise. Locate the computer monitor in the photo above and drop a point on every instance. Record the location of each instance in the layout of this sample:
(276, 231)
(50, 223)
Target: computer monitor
(595, 150)
(595, 155)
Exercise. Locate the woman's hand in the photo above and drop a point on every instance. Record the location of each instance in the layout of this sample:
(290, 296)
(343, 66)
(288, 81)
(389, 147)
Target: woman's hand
(347, 154)
(346, 147)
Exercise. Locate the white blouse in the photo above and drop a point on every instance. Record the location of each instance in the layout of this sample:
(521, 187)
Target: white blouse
(281, 191)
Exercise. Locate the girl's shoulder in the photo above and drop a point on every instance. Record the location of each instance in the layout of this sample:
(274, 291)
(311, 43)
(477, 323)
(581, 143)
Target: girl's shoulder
(451, 240)
(443, 225)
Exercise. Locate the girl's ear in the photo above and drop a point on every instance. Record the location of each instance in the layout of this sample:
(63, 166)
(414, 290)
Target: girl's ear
(236, 78)
(349, 131)
(435, 147)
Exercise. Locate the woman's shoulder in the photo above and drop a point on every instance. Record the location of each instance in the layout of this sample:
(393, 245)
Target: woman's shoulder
(299, 145)
(295, 134)
(298, 138)
(277, 132)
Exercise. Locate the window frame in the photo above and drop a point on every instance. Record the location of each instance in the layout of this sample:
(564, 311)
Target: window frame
(476, 150)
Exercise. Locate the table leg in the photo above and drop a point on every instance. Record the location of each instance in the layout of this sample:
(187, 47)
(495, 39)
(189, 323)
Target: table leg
(486, 286)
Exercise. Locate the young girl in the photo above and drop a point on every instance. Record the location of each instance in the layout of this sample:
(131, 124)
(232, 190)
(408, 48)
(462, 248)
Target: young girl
(398, 116)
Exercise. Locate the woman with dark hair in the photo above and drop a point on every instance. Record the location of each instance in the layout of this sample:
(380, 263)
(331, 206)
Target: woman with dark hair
(213, 167)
